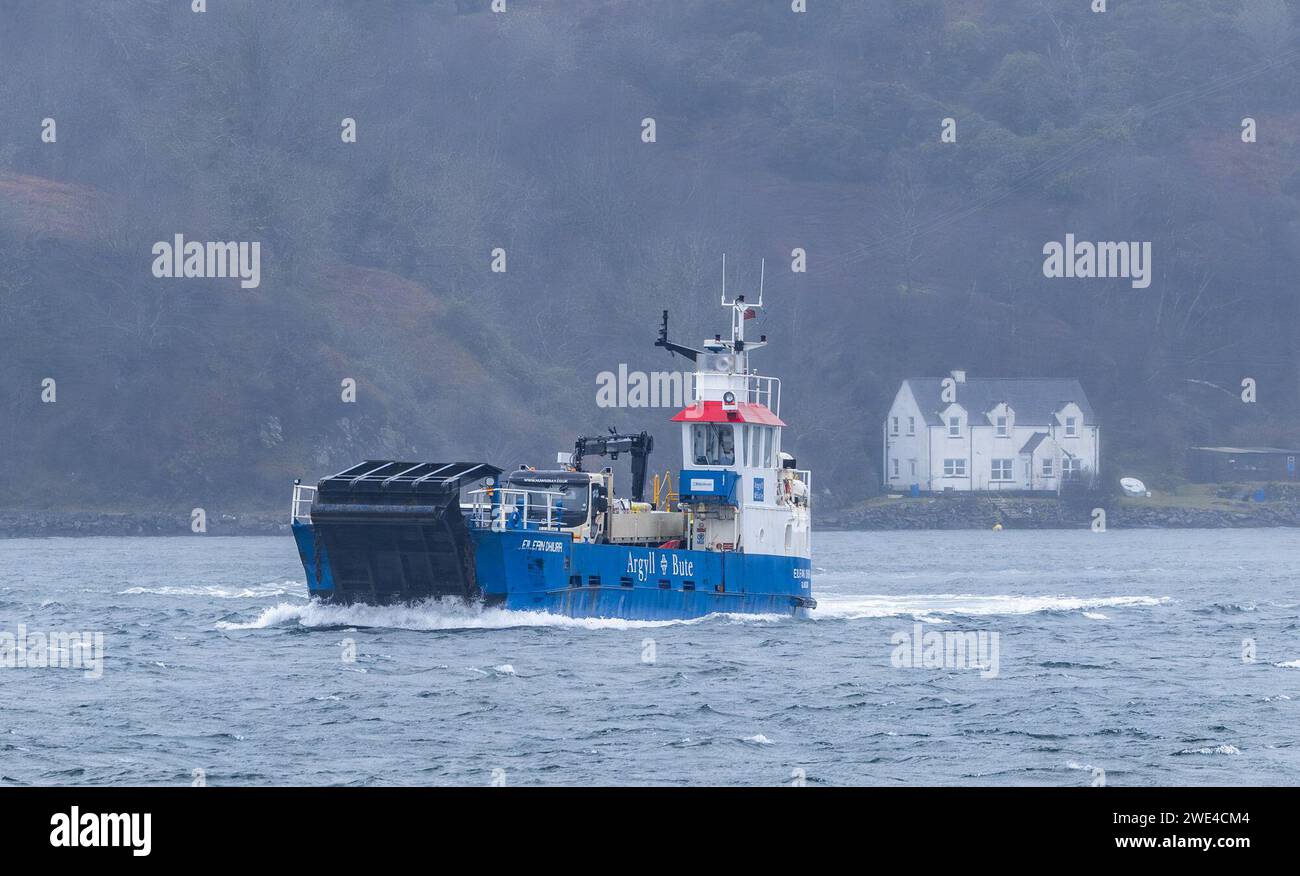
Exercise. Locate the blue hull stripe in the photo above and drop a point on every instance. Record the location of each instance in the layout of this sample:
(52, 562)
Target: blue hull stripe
(543, 571)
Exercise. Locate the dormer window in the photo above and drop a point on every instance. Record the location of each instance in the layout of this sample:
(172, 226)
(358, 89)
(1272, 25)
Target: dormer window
(1071, 427)
(1001, 423)
(954, 427)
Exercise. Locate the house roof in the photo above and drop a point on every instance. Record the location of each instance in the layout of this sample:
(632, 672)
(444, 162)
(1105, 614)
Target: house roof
(1034, 440)
(1037, 439)
(1035, 400)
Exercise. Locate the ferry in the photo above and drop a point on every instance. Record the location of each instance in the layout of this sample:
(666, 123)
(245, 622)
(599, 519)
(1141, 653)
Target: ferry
(733, 535)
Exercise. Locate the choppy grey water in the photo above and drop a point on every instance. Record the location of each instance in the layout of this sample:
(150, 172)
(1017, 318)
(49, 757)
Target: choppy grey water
(1118, 652)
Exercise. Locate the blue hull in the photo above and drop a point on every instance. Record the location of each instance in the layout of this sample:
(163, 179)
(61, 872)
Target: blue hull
(544, 571)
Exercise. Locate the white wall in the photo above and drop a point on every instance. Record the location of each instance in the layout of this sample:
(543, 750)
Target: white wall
(909, 446)
(979, 445)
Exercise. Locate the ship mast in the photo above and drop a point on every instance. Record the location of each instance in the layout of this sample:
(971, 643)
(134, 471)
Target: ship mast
(742, 310)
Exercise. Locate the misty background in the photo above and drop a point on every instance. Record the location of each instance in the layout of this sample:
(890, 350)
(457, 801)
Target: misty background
(522, 130)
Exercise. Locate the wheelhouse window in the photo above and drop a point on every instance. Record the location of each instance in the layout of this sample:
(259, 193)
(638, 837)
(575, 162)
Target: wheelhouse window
(713, 444)
(954, 468)
(1001, 470)
(954, 427)
(569, 498)
(1071, 427)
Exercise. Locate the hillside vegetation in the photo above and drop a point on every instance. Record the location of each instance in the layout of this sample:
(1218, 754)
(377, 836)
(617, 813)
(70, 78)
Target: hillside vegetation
(774, 131)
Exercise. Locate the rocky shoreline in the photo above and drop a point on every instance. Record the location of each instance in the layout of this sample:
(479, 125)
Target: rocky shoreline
(978, 512)
(39, 524)
(953, 512)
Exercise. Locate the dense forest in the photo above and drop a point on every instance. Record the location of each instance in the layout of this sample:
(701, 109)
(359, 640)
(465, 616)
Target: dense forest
(523, 131)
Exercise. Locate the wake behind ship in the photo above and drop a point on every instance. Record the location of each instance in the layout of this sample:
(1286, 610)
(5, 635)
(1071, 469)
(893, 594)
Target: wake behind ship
(733, 537)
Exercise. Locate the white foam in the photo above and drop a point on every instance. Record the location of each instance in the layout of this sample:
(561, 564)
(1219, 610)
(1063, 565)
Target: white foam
(1218, 749)
(921, 606)
(1289, 664)
(505, 669)
(452, 614)
(1095, 615)
(760, 739)
(257, 591)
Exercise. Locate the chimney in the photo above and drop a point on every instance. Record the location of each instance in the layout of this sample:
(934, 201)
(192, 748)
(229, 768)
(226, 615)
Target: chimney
(959, 376)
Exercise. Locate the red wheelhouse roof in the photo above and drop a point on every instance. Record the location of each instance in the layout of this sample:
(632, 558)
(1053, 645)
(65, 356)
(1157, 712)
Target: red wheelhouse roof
(712, 412)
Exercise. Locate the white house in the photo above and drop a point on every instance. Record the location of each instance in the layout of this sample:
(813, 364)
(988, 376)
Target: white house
(950, 433)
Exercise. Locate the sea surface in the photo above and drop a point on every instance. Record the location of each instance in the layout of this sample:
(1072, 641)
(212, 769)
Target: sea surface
(1120, 660)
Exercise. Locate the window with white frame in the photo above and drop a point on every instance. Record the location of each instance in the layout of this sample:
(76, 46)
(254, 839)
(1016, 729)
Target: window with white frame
(1049, 467)
(713, 444)
(954, 427)
(1001, 470)
(911, 425)
(1071, 466)
(893, 429)
(1002, 427)
(1071, 427)
(895, 461)
(913, 462)
(954, 468)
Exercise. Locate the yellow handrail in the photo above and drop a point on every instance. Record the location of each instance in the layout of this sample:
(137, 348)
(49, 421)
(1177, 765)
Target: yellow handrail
(664, 489)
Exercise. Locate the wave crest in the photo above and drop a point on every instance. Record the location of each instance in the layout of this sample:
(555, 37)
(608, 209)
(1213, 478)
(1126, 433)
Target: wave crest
(451, 614)
(924, 607)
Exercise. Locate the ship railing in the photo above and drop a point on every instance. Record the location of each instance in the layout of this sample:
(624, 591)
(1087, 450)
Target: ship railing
(765, 391)
(303, 496)
(503, 508)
